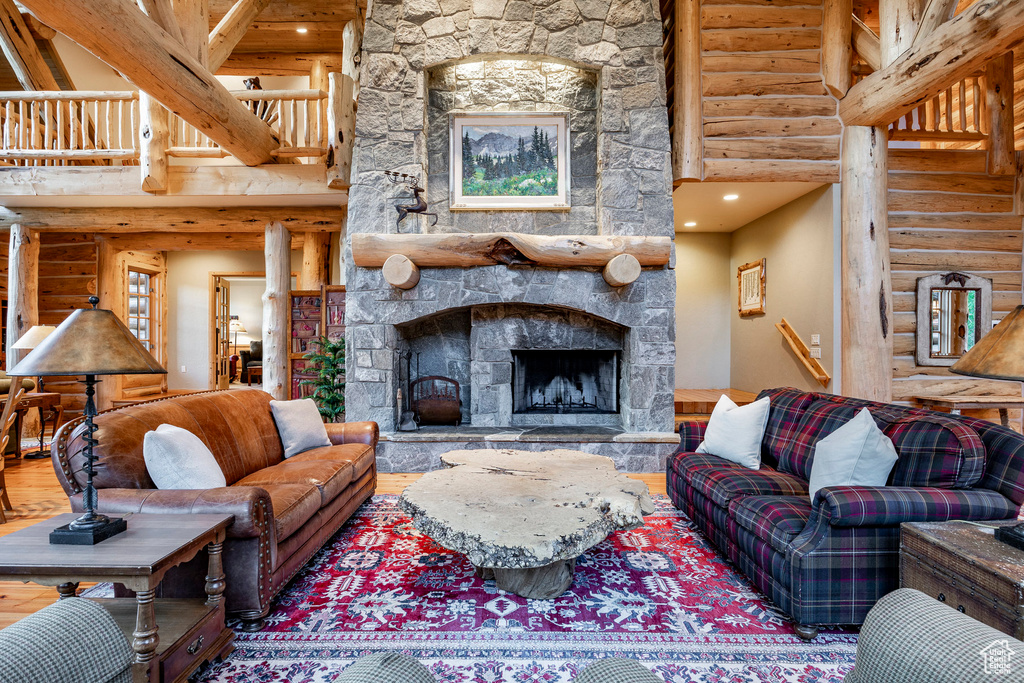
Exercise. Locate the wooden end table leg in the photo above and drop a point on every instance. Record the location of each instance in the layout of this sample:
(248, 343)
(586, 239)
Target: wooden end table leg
(214, 574)
(67, 590)
(1004, 417)
(145, 637)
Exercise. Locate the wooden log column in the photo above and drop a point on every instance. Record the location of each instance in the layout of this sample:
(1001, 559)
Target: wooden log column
(899, 21)
(836, 46)
(315, 249)
(277, 253)
(688, 119)
(22, 288)
(866, 284)
(999, 101)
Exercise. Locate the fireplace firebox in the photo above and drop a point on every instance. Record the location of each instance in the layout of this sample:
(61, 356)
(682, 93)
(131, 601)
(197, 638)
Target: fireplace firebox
(565, 381)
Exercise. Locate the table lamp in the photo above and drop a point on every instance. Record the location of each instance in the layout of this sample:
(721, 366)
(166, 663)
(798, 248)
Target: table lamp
(236, 326)
(28, 341)
(999, 355)
(90, 342)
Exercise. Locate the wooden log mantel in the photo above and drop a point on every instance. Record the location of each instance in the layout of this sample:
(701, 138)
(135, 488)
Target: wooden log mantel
(511, 249)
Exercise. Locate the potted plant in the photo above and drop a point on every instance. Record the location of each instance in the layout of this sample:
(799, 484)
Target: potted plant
(328, 360)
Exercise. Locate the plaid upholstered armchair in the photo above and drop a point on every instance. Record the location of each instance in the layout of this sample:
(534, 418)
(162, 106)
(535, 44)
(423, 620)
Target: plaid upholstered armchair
(71, 641)
(829, 560)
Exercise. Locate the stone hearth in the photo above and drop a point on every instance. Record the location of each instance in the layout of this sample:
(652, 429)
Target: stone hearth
(599, 61)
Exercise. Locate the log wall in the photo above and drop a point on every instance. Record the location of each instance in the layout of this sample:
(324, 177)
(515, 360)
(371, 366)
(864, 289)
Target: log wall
(946, 213)
(67, 278)
(767, 114)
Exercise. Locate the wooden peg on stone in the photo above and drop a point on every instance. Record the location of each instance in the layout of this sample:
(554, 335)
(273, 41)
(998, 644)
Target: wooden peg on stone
(621, 270)
(401, 272)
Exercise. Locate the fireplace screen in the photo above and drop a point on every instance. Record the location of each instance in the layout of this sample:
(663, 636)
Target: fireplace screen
(565, 381)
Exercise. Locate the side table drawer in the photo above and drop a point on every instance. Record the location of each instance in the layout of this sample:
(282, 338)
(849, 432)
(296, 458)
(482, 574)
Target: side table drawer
(204, 641)
(960, 594)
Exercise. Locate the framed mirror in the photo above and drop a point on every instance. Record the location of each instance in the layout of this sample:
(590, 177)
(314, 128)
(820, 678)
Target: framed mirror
(954, 311)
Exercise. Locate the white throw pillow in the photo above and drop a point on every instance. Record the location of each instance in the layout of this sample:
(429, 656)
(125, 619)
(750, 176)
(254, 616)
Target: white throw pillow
(300, 425)
(856, 454)
(178, 459)
(735, 432)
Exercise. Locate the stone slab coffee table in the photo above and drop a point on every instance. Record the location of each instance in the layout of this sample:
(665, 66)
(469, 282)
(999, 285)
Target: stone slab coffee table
(521, 517)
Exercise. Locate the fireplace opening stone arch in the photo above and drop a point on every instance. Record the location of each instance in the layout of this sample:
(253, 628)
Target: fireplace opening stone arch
(600, 60)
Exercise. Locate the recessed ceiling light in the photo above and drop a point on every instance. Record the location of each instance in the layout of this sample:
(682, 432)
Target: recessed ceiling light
(730, 197)
(302, 30)
(690, 224)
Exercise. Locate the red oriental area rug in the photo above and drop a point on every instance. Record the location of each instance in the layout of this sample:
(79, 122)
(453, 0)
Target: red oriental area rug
(659, 594)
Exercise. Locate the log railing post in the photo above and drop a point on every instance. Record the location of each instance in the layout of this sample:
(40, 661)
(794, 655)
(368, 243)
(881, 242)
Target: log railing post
(867, 346)
(277, 254)
(999, 105)
(837, 46)
(22, 288)
(341, 129)
(154, 139)
(687, 114)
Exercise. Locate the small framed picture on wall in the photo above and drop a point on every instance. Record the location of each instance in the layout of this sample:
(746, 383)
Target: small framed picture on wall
(509, 161)
(751, 278)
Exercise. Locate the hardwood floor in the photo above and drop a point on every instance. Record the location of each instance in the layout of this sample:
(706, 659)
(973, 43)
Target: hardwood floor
(36, 495)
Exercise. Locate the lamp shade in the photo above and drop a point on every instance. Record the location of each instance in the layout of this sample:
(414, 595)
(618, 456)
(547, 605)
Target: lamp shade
(90, 342)
(237, 326)
(35, 335)
(1000, 353)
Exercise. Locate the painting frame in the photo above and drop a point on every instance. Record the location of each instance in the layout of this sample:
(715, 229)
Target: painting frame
(458, 201)
(750, 279)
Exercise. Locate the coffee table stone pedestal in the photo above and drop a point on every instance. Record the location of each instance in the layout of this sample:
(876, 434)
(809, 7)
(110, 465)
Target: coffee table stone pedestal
(522, 518)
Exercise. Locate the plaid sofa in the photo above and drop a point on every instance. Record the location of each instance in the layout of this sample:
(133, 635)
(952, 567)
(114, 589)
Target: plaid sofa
(829, 561)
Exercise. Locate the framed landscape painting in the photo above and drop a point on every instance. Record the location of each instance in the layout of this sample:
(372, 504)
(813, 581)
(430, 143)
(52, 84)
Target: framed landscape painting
(509, 161)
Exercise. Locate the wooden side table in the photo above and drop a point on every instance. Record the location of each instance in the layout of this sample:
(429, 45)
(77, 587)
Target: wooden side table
(171, 637)
(956, 404)
(964, 566)
(254, 373)
(48, 404)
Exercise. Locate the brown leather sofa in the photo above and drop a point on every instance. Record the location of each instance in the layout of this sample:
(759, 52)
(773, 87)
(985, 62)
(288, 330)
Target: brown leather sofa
(285, 510)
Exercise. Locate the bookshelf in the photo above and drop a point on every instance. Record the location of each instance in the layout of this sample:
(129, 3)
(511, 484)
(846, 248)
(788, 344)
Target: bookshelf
(312, 313)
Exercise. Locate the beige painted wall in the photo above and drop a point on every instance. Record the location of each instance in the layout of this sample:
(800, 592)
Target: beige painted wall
(702, 310)
(798, 242)
(188, 308)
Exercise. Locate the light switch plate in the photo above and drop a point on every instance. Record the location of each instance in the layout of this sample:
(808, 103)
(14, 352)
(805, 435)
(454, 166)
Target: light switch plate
(815, 339)
(816, 352)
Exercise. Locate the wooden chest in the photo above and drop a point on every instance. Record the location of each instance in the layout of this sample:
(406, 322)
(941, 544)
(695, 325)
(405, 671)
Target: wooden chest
(964, 566)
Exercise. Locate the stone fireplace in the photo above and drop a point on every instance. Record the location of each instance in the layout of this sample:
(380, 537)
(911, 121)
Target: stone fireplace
(544, 356)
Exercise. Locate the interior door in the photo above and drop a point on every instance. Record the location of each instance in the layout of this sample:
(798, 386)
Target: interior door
(222, 338)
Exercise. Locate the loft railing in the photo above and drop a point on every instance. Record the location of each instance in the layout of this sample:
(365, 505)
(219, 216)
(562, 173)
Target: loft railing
(59, 128)
(956, 114)
(62, 128)
(299, 117)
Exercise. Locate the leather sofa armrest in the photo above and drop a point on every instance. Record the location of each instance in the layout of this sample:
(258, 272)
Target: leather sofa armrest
(249, 504)
(353, 432)
(850, 506)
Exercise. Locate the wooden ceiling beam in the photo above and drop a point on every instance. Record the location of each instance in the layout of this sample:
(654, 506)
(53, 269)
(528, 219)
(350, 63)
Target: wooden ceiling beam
(162, 13)
(109, 220)
(952, 52)
(148, 56)
(866, 44)
(231, 28)
(176, 241)
(936, 13)
(276, 64)
(194, 20)
(19, 46)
